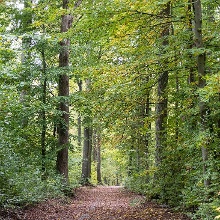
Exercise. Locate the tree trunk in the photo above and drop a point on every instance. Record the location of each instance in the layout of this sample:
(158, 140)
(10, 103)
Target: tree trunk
(63, 87)
(130, 160)
(176, 111)
(147, 114)
(161, 112)
(202, 82)
(86, 163)
(218, 120)
(79, 120)
(87, 146)
(161, 106)
(43, 115)
(90, 153)
(25, 56)
(98, 168)
(191, 77)
(191, 66)
(97, 154)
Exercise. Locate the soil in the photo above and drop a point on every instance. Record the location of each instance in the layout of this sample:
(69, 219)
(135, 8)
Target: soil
(96, 203)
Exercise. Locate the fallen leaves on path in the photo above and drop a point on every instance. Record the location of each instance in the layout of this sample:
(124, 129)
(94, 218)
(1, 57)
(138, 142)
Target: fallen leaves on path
(99, 203)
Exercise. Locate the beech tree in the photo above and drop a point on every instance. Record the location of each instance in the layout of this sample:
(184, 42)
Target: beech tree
(63, 129)
(161, 106)
(97, 154)
(197, 7)
(87, 143)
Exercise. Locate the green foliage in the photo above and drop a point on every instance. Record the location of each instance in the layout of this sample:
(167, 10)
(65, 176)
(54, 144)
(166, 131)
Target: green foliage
(21, 176)
(138, 182)
(23, 179)
(130, 68)
(75, 164)
(118, 46)
(207, 211)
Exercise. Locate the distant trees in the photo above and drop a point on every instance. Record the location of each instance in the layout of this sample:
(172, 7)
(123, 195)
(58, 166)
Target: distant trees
(153, 41)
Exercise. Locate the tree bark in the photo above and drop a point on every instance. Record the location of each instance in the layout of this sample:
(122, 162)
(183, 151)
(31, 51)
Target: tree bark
(87, 146)
(161, 112)
(86, 163)
(63, 93)
(98, 169)
(43, 115)
(176, 111)
(161, 106)
(147, 114)
(202, 82)
(79, 120)
(97, 154)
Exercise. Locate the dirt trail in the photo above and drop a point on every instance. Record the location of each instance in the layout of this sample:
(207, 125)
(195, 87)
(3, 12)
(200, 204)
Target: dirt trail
(99, 203)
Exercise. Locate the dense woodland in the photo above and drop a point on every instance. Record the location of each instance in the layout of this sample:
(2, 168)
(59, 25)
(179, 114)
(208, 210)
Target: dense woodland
(113, 92)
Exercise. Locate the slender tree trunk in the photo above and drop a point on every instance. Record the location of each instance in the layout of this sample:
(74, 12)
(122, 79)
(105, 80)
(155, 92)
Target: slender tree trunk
(97, 154)
(202, 82)
(130, 162)
(191, 77)
(85, 157)
(161, 106)
(218, 121)
(98, 168)
(176, 111)
(147, 114)
(87, 146)
(25, 56)
(191, 65)
(161, 112)
(86, 163)
(63, 87)
(148, 134)
(79, 120)
(43, 115)
(90, 153)
(137, 151)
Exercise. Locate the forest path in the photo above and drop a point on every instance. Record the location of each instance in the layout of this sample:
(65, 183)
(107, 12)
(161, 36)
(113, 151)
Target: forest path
(99, 203)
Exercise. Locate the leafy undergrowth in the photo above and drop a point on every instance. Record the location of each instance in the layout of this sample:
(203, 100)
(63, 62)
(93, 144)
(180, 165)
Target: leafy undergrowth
(96, 203)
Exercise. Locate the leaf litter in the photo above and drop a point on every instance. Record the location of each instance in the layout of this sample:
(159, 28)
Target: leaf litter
(97, 203)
